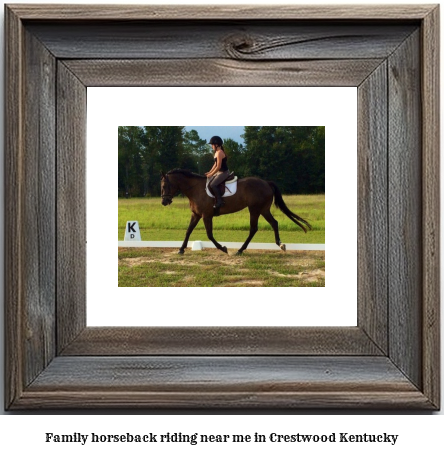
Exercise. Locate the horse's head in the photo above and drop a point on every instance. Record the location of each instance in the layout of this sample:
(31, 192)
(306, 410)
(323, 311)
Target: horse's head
(167, 190)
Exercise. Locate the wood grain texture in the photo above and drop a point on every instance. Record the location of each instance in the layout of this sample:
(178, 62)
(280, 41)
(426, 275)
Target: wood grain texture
(236, 41)
(234, 382)
(209, 373)
(127, 341)
(431, 205)
(209, 72)
(71, 206)
(38, 222)
(372, 207)
(405, 209)
(13, 209)
(30, 228)
(246, 401)
(220, 12)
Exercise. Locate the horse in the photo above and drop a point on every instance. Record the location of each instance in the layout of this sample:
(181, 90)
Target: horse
(252, 192)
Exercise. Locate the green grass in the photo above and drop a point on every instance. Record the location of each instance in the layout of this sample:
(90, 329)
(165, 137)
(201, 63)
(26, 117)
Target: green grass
(212, 268)
(159, 223)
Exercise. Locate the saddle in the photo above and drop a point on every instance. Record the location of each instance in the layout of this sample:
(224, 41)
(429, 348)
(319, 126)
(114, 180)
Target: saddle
(227, 188)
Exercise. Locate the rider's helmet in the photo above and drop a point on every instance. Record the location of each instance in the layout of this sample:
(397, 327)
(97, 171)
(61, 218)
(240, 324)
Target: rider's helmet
(216, 140)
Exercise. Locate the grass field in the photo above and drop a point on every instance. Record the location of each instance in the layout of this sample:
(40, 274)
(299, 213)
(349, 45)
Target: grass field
(212, 268)
(159, 223)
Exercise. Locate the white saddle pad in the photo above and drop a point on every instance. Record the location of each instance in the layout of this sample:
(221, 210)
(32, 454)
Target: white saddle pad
(230, 188)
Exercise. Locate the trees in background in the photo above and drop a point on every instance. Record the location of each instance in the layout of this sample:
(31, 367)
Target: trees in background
(198, 151)
(130, 154)
(146, 151)
(293, 157)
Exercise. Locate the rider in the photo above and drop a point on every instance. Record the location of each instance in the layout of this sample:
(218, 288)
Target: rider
(219, 172)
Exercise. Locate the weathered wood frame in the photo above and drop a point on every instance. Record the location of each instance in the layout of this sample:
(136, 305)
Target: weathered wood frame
(390, 360)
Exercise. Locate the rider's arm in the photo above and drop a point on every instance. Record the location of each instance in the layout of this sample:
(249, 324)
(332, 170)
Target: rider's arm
(217, 165)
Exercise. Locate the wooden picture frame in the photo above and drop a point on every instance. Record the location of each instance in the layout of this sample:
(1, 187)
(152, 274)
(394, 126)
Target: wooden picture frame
(390, 360)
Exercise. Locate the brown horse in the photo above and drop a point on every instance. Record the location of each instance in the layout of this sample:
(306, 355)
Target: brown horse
(252, 192)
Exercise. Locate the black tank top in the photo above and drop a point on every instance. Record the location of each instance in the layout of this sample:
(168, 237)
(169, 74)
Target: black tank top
(223, 166)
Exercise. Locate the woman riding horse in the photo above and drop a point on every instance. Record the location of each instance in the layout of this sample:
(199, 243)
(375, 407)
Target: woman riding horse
(252, 192)
(219, 172)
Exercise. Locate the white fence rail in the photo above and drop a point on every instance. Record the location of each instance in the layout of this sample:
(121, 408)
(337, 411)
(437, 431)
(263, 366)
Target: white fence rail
(199, 245)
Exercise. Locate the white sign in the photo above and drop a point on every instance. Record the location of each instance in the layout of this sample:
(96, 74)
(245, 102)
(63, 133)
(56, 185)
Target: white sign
(132, 231)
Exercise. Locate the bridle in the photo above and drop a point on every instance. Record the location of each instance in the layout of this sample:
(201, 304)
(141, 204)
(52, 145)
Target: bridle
(167, 189)
(166, 195)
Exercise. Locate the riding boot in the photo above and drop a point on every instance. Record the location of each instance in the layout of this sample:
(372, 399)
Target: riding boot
(219, 202)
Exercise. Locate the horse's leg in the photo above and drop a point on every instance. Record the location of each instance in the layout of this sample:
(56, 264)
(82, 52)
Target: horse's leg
(254, 217)
(208, 221)
(274, 224)
(193, 222)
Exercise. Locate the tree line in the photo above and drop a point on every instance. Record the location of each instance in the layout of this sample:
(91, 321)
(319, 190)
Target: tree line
(293, 157)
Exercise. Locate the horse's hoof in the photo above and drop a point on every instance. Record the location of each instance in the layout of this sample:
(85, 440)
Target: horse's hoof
(181, 252)
(283, 247)
(224, 249)
(239, 253)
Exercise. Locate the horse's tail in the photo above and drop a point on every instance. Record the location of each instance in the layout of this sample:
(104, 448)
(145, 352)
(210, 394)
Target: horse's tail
(280, 204)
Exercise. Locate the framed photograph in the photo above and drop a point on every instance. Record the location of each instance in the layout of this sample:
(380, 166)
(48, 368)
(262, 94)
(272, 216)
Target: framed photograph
(389, 359)
(289, 161)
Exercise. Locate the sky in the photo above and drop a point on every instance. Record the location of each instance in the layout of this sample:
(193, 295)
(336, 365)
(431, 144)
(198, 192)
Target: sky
(224, 132)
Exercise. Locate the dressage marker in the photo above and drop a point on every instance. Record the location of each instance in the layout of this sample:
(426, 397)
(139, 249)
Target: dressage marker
(132, 232)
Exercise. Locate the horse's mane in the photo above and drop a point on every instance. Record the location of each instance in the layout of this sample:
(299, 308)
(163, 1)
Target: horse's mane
(185, 172)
